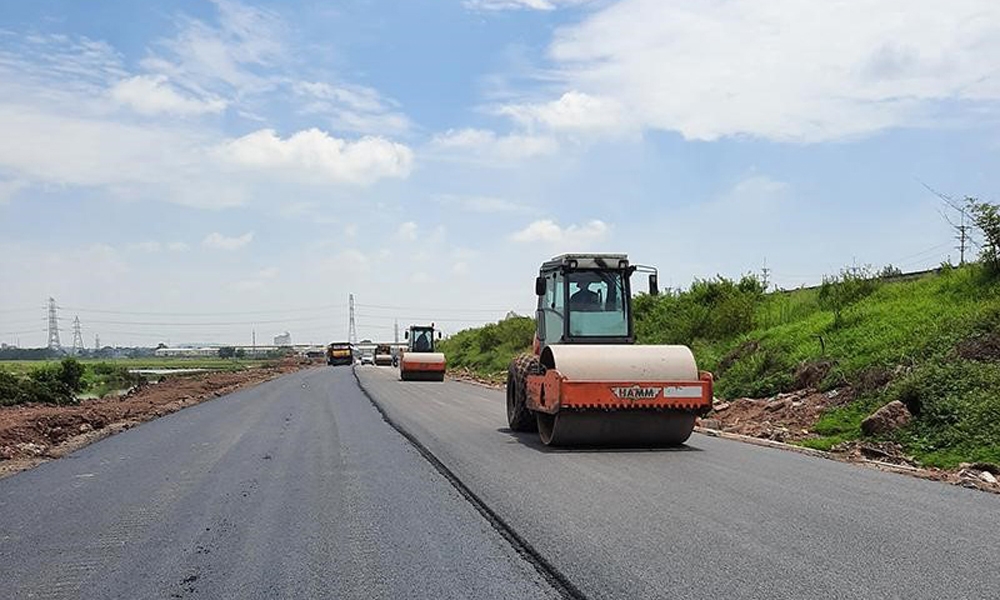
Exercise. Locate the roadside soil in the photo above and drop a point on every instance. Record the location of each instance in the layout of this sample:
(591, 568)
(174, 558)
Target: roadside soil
(31, 434)
(497, 382)
(789, 419)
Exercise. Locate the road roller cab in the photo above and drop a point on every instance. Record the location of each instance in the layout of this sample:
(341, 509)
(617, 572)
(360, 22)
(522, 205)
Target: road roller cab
(419, 360)
(586, 382)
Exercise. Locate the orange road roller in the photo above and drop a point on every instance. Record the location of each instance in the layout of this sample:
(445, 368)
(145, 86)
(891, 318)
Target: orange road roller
(586, 382)
(419, 361)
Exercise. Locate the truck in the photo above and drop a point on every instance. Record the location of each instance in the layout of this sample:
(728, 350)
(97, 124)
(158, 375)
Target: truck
(339, 353)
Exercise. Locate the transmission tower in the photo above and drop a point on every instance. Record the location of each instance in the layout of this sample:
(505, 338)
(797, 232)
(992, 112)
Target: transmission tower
(352, 332)
(395, 329)
(97, 343)
(53, 326)
(77, 336)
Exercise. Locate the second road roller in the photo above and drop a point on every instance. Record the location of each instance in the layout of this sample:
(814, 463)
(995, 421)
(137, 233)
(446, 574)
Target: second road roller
(586, 383)
(419, 361)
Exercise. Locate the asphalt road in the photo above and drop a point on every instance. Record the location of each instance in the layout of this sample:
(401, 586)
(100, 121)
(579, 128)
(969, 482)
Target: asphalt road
(294, 489)
(715, 519)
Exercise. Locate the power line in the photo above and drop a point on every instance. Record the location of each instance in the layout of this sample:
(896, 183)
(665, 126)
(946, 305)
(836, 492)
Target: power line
(202, 314)
(469, 310)
(211, 323)
(428, 319)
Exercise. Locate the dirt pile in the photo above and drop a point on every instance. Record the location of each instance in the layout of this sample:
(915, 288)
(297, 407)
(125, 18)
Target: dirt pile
(35, 432)
(789, 418)
(782, 418)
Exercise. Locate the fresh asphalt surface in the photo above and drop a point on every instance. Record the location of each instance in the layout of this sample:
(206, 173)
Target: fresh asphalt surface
(293, 489)
(714, 519)
(299, 489)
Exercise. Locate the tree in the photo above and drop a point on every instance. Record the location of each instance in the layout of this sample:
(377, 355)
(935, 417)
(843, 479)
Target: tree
(986, 218)
(227, 352)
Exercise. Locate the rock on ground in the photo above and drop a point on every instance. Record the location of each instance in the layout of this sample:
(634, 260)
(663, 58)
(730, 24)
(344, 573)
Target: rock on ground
(890, 417)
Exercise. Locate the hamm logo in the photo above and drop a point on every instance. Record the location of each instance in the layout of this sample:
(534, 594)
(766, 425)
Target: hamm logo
(636, 392)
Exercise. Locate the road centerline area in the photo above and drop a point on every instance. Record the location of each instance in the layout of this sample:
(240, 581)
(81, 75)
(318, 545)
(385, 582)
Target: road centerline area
(713, 519)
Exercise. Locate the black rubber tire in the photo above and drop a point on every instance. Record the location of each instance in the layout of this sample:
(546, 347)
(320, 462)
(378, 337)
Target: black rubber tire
(519, 418)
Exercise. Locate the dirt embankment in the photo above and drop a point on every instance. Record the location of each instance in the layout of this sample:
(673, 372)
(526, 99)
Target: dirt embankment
(33, 433)
(790, 418)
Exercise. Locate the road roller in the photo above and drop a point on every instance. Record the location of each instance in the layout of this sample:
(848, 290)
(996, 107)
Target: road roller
(419, 361)
(586, 382)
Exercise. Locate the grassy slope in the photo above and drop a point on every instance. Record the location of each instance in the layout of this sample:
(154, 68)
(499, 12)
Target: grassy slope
(898, 343)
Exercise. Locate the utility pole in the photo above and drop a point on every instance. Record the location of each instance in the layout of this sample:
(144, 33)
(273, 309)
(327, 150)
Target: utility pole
(253, 342)
(53, 326)
(97, 342)
(962, 236)
(961, 228)
(77, 336)
(395, 330)
(352, 331)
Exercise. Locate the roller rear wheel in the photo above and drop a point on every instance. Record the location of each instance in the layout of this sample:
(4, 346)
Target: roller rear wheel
(519, 418)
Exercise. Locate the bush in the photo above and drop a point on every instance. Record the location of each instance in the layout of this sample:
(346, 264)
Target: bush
(711, 309)
(837, 293)
(956, 410)
(489, 349)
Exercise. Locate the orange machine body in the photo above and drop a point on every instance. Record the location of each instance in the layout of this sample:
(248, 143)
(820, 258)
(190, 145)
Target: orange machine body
(417, 365)
(552, 392)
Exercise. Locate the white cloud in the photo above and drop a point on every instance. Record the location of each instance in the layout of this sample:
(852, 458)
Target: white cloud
(178, 247)
(147, 246)
(350, 261)
(573, 111)
(218, 241)
(153, 94)
(490, 5)
(785, 69)
(407, 231)
(549, 231)
(486, 146)
(162, 163)
(352, 107)
(481, 204)
(10, 188)
(228, 57)
(316, 156)
(258, 281)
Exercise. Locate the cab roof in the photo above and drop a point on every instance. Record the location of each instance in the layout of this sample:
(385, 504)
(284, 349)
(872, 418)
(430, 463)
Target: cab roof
(587, 260)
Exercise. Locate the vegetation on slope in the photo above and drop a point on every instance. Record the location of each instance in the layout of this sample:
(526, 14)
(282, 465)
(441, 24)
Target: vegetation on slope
(488, 350)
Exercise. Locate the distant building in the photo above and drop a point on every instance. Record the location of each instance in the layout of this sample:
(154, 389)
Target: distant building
(285, 339)
(186, 352)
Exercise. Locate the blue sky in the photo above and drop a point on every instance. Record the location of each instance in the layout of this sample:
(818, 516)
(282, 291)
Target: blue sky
(237, 166)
